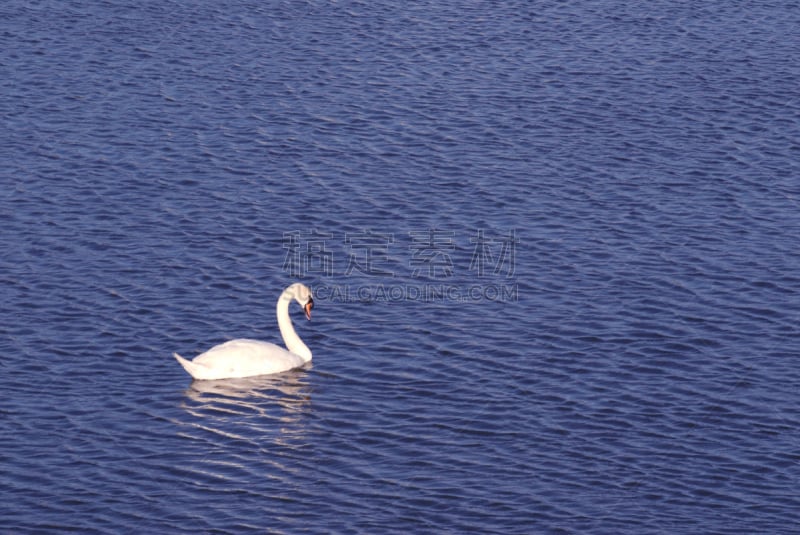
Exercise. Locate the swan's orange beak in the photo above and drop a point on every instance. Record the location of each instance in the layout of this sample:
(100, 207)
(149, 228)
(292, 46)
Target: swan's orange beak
(308, 308)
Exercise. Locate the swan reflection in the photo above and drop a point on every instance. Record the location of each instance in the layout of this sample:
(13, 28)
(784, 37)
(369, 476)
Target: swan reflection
(263, 411)
(290, 386)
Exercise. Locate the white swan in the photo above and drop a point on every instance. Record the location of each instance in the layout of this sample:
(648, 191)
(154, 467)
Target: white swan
(245, 358)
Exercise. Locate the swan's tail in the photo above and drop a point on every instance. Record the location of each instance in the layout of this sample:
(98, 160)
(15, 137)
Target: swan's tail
(194, 369)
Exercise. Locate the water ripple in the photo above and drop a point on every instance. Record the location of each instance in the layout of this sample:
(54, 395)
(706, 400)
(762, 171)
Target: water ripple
(643, 380)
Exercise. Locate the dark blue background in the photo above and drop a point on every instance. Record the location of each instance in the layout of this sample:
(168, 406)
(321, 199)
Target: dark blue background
(643, 380)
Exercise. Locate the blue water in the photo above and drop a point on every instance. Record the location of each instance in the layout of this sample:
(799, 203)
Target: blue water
(555, 247)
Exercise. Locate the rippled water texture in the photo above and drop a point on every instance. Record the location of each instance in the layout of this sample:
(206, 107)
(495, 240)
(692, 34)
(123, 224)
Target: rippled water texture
(640, 160)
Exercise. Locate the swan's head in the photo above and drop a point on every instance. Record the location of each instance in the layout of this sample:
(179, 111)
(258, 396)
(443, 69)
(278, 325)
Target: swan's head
(302, 294)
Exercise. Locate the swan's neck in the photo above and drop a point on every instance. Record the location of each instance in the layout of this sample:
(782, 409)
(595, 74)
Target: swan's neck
(290, 338)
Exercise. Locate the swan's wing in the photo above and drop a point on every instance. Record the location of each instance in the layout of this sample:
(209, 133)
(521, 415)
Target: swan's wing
(243, 358)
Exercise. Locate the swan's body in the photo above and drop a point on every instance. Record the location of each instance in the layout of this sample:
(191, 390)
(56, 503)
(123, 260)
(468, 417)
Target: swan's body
(246, 358)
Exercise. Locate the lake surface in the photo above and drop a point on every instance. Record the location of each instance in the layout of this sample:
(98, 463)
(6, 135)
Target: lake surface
(555, 248)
